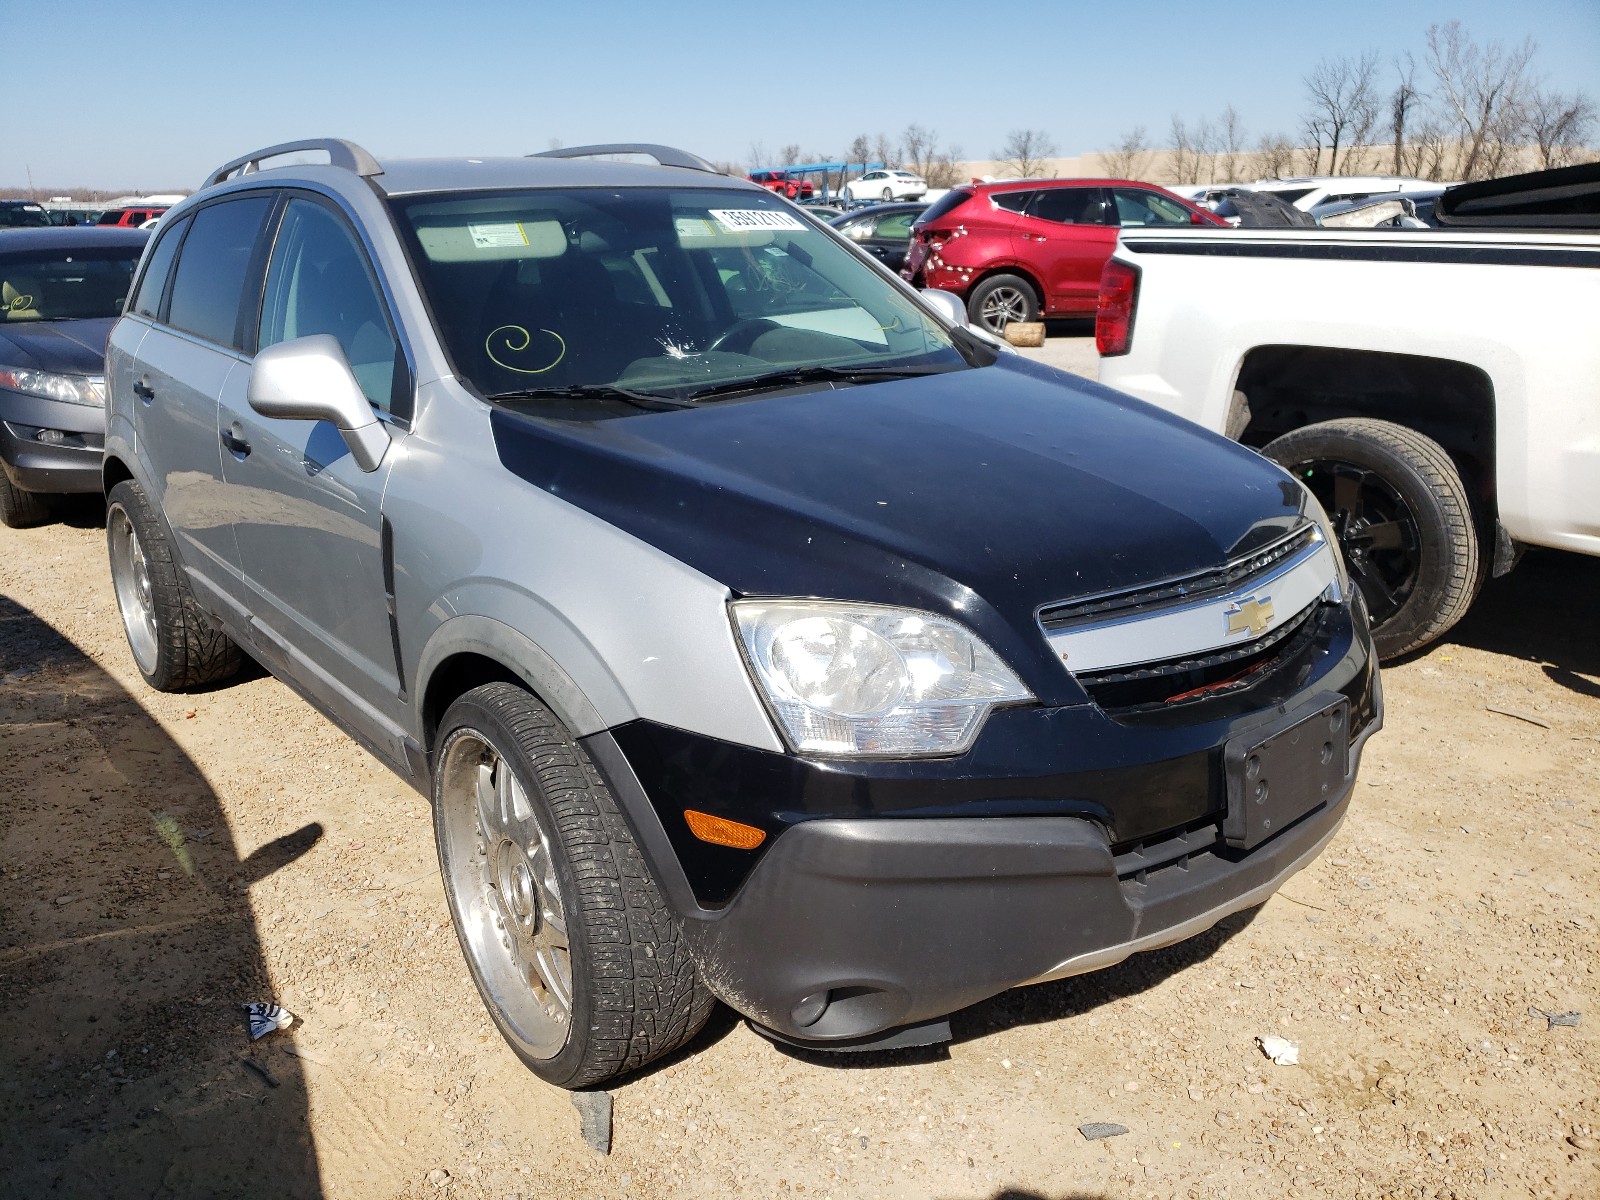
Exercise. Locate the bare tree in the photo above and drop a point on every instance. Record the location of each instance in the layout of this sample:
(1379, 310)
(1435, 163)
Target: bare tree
(885, 151)
(1230, 146)
(1481, 94)
(1402, 105)
(1274, 155)
(1128, 157)
(1027, 152)
(1311, 146)
(789, 154)
(1558, 125)
(945, 169)
(860, 151)
(758, 155)
(1183, 163)
(921, 146)
(1344, 104)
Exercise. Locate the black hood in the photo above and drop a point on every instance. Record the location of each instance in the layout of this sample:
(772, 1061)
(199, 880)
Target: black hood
(70, 347)
(983, 494)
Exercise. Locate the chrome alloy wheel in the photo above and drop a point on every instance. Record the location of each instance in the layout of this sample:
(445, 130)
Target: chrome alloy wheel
(130, 578)
(1002, 306)
(505, 894)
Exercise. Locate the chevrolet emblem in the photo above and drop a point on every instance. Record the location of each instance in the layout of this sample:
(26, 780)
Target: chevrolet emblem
(1250, 616)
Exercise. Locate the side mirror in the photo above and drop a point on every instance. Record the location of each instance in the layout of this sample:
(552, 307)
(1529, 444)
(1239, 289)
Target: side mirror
(309, 379)
(947, 304)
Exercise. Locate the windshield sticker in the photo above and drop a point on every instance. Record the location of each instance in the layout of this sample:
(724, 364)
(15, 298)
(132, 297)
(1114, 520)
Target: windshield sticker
(493, 237)
(693, 227)
(742, 220)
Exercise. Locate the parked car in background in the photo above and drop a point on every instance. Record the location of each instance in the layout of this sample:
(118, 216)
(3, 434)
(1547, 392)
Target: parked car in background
(22, 214)
(1025, 249)
(1305, 192)
(1417, 206)
(756, 629)
(790, 187)
(887, 185)
(131, 218)
(60, 292)
(883, 231)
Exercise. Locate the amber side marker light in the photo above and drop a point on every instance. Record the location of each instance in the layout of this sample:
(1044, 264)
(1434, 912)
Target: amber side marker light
(720, 831)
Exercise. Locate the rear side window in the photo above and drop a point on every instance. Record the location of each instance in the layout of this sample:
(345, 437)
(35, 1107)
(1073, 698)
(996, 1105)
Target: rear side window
(1013, 201)
(319, 282)
(895, 225)
(1070, 206)
(147, 303)
(946, 203)
(209, 281)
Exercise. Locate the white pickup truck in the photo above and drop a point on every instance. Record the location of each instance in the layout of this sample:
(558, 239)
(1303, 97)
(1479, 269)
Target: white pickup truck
(1439, 391)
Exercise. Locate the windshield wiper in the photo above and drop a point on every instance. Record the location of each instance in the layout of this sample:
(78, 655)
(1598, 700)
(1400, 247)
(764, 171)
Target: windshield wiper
(797, 375)
(649, 401)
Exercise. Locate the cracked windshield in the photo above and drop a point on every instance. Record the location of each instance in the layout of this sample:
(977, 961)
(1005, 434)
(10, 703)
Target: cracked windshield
(658, 296)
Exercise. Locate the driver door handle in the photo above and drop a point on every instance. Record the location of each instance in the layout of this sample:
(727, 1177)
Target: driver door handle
(235, 444)
(143, 390)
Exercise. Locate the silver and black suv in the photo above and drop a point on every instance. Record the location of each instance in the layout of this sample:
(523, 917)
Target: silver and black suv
(758, 631)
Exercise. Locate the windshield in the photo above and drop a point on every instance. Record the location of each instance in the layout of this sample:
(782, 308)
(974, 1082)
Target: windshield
(23, 216)
(55, 285)
(669, 293)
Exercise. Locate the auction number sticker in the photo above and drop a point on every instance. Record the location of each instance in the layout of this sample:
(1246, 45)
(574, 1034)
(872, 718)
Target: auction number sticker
(501, 233)
(744, 220)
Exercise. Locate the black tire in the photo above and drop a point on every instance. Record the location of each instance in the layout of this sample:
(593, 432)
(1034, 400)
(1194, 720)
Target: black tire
(634, 993)
(18, 508)
(1001, 299)
(1404, 520)
(175, 645)
(888, 194)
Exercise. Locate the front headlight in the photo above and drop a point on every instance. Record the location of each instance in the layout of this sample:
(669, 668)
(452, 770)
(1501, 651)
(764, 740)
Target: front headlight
(1314, 510)
(69, 389)
(865, 679)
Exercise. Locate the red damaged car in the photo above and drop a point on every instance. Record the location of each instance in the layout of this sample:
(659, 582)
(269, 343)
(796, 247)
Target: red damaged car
(1031, 248)
(792, 187)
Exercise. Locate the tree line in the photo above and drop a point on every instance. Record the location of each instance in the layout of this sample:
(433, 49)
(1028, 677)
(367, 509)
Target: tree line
(1465, 110)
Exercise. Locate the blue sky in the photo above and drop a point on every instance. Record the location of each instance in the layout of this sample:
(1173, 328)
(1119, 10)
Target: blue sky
(152, 96)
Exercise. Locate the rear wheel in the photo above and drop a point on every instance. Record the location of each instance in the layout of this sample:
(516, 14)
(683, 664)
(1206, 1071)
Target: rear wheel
(1404, 522)
(1000, 300)
(174, 644)
(573, 949)
(20, 509)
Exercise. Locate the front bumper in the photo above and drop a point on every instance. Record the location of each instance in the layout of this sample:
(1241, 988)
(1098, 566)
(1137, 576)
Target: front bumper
(891, 894)
(67, 461)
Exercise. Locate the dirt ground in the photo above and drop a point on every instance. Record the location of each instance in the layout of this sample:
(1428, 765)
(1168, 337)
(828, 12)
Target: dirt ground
(165, 859)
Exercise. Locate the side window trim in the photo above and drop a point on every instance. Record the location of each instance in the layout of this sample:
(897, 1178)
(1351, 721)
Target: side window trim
(248, 332)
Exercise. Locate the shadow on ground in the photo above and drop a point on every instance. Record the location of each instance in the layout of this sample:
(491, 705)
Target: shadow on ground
(127, 946)
(1542, 612)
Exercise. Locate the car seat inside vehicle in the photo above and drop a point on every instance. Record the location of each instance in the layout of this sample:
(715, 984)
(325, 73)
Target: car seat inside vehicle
(19, 298)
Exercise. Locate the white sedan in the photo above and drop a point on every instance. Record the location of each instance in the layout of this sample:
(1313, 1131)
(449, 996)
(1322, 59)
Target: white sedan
(886, 185)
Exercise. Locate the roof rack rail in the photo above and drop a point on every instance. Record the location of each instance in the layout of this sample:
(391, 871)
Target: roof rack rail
(665, 155)
(340, 154)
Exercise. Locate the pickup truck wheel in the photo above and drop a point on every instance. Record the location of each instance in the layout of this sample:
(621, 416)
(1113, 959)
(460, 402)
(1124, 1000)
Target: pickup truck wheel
(1403, 518)
(20, 509)
(1001, 299)
(175, 645)
(575, 953)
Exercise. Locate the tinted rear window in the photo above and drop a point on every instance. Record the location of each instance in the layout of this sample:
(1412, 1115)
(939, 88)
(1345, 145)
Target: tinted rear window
(148, 301)
(212, 266)
(948, 202)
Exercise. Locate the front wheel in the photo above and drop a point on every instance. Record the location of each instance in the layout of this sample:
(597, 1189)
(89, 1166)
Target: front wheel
(1403, 518)
(1000, 300)
(574, 951)
(888, 193)
(18, 508)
